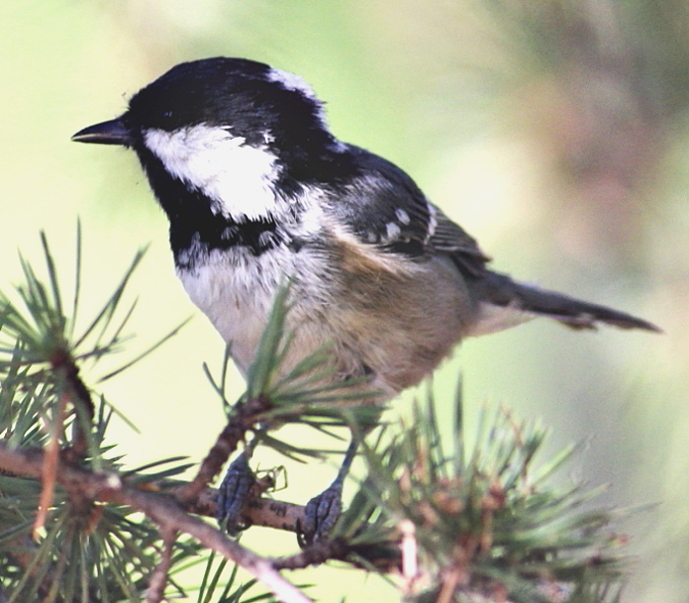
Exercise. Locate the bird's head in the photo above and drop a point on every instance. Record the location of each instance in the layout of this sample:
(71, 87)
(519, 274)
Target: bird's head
(244, 98)
(233, 130)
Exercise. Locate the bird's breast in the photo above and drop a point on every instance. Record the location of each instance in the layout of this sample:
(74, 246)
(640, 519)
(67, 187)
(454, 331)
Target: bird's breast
(236, 294)
(236, 290)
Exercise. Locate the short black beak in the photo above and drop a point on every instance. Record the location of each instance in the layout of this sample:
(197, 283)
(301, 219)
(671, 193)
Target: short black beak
(108, 132)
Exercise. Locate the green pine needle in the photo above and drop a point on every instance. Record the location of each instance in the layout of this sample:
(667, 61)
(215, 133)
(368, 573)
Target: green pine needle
(494, 516)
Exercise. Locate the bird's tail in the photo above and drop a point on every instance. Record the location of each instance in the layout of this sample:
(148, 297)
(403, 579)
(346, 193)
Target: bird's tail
(504, 302)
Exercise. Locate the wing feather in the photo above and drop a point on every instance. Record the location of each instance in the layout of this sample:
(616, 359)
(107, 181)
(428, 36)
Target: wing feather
(384, 207)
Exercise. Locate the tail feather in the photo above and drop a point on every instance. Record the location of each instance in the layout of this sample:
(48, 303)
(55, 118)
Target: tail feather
(517, 302)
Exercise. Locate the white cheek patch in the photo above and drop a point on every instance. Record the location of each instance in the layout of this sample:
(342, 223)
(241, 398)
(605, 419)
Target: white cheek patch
(238, 177)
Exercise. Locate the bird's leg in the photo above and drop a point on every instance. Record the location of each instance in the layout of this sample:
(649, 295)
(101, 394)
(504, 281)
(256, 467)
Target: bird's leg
(233, 494)
(322, 511)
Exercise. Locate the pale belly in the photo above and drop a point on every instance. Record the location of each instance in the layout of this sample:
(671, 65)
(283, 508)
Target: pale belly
(395, 330)
(237, 297)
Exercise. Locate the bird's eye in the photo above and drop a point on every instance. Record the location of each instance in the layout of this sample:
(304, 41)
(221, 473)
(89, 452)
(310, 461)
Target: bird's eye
(166, 119)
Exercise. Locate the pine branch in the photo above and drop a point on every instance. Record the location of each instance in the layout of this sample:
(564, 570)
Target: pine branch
(481, 525)
(44, 356)
(160, 509)
(244, 416)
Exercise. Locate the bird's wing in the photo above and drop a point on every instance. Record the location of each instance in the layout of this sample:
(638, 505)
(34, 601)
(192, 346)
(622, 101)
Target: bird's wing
(450, 238)
(384, 207)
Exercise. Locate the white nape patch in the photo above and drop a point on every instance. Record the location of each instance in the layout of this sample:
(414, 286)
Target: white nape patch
(297, 83)
(492, 318)
(239, 178)
(292, 82)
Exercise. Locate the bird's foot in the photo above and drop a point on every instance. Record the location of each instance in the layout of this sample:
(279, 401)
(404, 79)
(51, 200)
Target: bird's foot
(321, 514)
(233, 493)
(322, 511)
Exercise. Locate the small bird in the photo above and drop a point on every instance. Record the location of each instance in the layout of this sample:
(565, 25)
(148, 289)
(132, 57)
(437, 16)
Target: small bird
(258, 189)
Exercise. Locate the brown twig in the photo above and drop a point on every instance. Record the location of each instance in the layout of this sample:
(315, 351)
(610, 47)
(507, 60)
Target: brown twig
(76, 393)
(49, 466)
(314, 554)
(80, 397)
(227, 442)
(158, 581)
(385, 556)
(276, 514)
(258, 511)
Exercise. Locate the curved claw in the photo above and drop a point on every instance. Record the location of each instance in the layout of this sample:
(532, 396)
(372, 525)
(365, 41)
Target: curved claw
(233, 493)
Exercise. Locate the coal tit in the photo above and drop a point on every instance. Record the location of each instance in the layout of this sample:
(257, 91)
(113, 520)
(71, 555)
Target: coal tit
(257, 188)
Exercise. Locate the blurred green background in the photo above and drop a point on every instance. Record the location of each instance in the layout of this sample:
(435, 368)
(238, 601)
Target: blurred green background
(554, 131)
